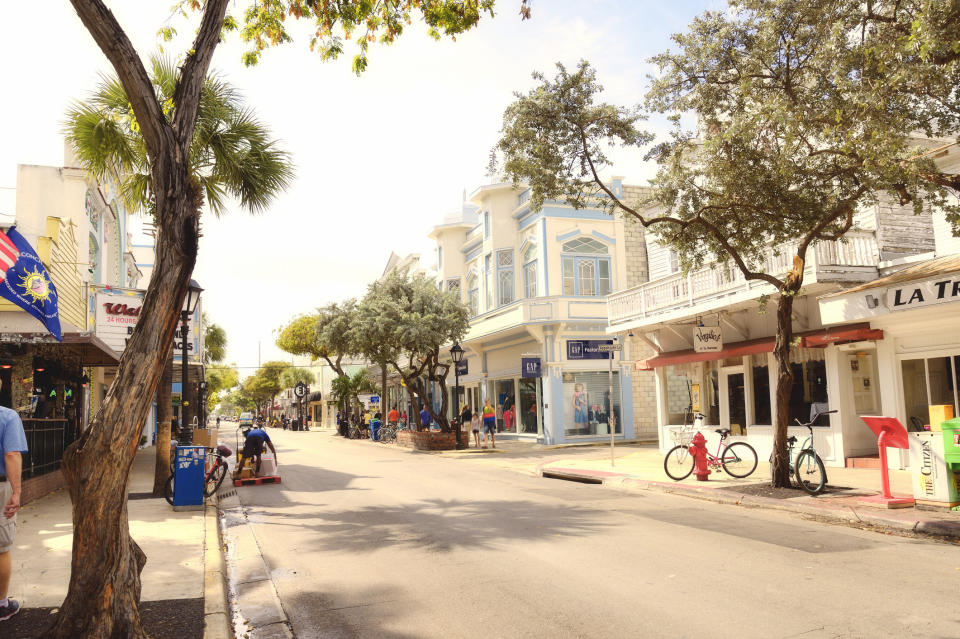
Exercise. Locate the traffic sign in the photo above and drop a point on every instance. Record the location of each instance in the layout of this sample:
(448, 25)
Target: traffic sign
(300, 390)
(607, 348)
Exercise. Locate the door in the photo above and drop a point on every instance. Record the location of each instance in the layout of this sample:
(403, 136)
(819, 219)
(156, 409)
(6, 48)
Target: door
(528, 416)
(733, 411)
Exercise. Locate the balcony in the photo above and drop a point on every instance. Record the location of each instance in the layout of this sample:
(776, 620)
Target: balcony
(537, 310)
(853, 259)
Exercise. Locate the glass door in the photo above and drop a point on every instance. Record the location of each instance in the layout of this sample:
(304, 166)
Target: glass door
(528, 417)
(733, 413)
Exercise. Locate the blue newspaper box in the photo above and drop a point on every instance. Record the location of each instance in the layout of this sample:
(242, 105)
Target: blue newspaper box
(188, 470)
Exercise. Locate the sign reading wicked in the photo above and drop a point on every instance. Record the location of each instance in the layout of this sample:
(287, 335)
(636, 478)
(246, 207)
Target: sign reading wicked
(587, 349)
(25, 282)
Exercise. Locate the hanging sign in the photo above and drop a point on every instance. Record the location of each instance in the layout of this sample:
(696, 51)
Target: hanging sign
(116, 316)
(462, 367)
(529, 367)
(587, 349)
(707, 339)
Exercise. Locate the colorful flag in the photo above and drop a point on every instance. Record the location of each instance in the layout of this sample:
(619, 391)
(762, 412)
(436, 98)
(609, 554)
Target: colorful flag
(25, 282)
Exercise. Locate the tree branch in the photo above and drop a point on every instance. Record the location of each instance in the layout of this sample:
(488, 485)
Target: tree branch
(116, 46)
(186, 97)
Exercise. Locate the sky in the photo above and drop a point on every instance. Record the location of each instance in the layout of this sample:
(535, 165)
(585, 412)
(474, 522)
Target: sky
(380, 158)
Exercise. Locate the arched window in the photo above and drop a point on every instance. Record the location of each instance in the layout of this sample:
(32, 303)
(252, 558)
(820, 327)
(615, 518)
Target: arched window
(586, 267)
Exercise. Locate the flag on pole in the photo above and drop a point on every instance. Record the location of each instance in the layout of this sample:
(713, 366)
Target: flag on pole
(25, 282)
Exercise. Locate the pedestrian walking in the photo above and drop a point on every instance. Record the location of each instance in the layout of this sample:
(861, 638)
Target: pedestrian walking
(475, 428)
(13, 443)
(489, 424)
(425, 418)
(393, 416)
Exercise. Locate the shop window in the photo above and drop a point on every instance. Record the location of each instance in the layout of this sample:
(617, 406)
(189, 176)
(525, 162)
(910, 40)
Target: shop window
(809, 392)
(710, 393)
(586, 398)
(504, 403)
(680, 380)
(761, 389)
(929, 382)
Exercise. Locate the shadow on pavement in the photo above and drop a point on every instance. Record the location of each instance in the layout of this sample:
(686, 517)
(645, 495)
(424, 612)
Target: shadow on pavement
(314, 479)
(440, 525)
(364, 613)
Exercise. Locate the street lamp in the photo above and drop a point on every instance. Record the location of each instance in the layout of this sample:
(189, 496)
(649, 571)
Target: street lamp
(193, 297)
(456, 353)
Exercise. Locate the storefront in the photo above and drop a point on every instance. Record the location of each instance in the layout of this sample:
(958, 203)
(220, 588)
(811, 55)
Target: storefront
(913, 374)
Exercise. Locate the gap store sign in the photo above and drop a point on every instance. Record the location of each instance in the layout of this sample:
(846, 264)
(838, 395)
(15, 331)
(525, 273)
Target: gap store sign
(587, 349)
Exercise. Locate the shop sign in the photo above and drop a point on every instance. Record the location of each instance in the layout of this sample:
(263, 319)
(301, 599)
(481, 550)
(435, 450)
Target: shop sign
(116, 316)
(529, 367)
(462, 368)
(707, 339)
(928, 293)
(587, 349)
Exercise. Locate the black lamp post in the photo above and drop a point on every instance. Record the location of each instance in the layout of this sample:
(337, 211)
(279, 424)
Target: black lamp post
(456, 353)
(193, 296)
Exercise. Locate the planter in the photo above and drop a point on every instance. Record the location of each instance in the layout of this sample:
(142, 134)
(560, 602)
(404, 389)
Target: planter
(427, 440)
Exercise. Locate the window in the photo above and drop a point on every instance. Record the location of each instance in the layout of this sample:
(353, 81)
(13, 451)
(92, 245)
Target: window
(584, 274)
(674, 262)
(486, 224)
(439, 257)
(761, 389)
(587, 403)
(453, 285)
(930, 381)
(488, 282)
(809, 390)
(530, 271)
(505, 277)
(473, 294)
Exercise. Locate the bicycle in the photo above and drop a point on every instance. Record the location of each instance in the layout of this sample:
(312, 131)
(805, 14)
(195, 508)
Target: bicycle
(738, 459)
(807, 468)
(212, 479)
(387, 433)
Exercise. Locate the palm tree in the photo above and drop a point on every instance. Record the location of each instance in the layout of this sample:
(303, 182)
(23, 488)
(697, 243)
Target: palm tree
(232, 154)
(214, 342)
(347, 389)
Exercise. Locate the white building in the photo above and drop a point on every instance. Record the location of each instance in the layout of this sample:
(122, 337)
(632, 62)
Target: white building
(536, 283)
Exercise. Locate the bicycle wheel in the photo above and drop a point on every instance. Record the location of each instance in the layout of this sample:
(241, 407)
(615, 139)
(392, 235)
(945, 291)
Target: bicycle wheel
(739, 459)
(215, 479)
(678, 464)
(810, 473)
(168, 490)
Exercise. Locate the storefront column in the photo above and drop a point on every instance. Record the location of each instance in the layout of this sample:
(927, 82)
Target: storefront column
(891, 395)
(839, 400)
(552, 394)
(628, 428)
(660, 388)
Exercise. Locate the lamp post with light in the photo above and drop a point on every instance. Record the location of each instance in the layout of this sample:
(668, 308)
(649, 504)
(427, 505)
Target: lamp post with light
(193, 297)
(456, 353)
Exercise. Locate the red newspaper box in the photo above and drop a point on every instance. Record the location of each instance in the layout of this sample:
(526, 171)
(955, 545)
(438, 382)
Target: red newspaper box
(890, 433)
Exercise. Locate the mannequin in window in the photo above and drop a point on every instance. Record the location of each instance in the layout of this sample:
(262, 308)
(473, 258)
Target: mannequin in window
(579, 407)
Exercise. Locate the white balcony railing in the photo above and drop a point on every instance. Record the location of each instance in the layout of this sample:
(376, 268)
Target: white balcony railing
(855, 251)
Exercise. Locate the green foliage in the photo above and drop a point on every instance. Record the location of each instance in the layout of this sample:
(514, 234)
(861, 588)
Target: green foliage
(220, 379)
(293, 375)
(329, 334)
(232, 154)
(214, 341)
(348, 388)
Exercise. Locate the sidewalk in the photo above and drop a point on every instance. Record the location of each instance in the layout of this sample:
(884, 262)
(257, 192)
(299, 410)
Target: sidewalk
(172, 604)
(642, 469)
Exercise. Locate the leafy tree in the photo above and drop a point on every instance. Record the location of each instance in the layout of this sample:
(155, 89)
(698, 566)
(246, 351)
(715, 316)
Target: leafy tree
(220, 379)
(214, 341)
(409, 313)
(104, 591)
(326, 335)
(294, 375)
(786, 151)
(373, 337)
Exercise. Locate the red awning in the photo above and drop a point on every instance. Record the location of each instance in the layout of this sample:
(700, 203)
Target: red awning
(809, 339)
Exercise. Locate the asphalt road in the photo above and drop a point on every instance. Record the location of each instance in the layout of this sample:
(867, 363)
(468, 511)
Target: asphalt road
(365, 540)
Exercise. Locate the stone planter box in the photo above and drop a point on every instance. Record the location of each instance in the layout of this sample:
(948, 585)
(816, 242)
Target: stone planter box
(427, 440)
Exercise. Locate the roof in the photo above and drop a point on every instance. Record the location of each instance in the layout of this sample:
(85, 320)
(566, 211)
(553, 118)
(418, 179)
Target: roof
(922, 271)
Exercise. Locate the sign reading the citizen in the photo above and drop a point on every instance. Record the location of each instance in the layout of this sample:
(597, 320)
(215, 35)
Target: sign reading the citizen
(707, 339)
(588, 349)
(529, 367)
(116, 317)
(926, 293)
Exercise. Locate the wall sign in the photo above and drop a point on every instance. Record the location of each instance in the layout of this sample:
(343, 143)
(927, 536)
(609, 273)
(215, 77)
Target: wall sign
(530, 367)
(587, 349)
(707, 339)
(927, 293)
(116, 315)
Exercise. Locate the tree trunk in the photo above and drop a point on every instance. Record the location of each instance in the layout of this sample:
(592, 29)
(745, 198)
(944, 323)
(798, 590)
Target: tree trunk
(164, 418)
(383, 392)
(781, 352)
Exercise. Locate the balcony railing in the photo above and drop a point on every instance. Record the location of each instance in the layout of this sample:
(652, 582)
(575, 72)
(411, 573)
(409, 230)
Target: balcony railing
(856, 251)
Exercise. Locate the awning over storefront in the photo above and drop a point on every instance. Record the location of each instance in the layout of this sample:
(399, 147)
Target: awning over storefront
(92, 350)
(809, 339)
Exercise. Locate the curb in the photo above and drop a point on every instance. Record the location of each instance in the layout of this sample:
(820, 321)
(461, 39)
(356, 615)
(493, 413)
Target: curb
(216, 610)
(847, 516)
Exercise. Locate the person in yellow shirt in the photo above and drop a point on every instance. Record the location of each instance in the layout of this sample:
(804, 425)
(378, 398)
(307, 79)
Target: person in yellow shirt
(489, 424)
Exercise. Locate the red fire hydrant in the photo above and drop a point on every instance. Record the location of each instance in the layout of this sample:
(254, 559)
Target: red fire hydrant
(698, 449)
